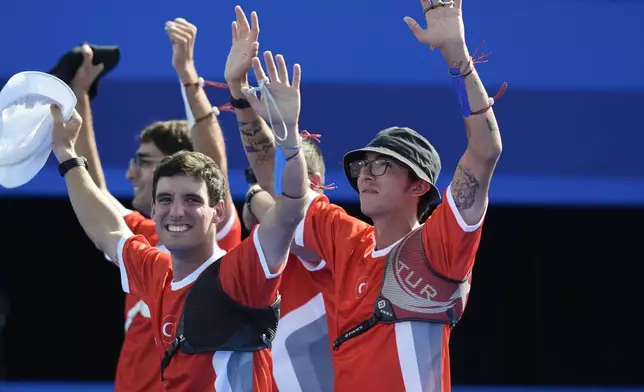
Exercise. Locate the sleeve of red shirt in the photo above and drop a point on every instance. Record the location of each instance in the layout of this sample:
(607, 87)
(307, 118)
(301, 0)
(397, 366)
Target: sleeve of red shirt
(143, 267)
(450, 244)
(141, 225)
(230, 235)
(326, 229)
(245, 277)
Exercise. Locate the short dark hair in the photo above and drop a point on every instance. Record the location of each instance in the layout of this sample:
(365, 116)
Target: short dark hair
(168, 136)
(192, 164)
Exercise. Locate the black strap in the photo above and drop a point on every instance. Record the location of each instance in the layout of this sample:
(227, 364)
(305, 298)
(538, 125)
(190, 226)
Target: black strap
(357, 330)
(383, 312)
(71, 163)
(170, 352)
(240, 103)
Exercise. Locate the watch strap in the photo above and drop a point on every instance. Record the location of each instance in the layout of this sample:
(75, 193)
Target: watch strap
(69, 164)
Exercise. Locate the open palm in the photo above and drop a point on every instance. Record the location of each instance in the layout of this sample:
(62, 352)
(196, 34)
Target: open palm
(285, 103)
(444, 24)
(244, 46)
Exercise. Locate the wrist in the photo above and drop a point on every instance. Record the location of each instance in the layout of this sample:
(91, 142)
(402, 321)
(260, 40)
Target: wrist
(187, 74)
(456, 55)
(64, 154)
(235, 88)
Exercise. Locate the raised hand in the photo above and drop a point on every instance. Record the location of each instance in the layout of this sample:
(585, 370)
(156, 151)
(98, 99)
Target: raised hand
(182, 35)
(64, 133)
(244, 47)
(87, 72)
(445, 28)
(285, 103)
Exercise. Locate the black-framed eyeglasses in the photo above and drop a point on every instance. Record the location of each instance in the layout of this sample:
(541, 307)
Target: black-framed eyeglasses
(140, 161)
(377, 167)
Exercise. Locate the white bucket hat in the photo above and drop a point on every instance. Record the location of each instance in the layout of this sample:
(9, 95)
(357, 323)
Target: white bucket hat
(26, 124)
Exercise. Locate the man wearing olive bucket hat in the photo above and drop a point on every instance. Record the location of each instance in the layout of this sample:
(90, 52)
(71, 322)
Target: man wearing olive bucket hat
(400, 286)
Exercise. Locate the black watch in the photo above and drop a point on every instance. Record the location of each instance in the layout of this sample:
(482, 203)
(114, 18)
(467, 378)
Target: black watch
(239, 103)
(69, 164)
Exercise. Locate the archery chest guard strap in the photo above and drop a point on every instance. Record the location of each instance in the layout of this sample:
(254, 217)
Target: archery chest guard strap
(212, 321)
(412, 291)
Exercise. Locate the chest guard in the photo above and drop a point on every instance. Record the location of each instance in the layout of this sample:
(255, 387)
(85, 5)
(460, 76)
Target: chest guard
(412, 291)
(212, 321)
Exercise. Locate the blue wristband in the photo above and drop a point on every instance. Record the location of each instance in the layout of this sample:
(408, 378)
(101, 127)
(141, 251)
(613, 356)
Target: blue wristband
(461, 92)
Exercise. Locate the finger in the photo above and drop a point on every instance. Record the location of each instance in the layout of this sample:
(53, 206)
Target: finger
(242, 22)
(76, 121)
(235, 31)
(251, 96)
(178, 36)
(57, 115)
(458, 4)
(186, 27)
(414, 27)
(185, 23)
(297, 76)
(427, 3)
(258, 70)
(270, 67)
(254, 22)
(281, 69)
(96, 70)
(88, 55)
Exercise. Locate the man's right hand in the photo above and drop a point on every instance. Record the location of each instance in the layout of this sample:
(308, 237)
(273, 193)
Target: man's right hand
(65, 133)
(182, 35)
(86, 74)
(244, 48)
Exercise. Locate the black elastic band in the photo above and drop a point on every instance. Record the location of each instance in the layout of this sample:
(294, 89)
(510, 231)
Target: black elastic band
(170, 352)
(293, 156)
(200, 119)
(240, 103)
(357, 330)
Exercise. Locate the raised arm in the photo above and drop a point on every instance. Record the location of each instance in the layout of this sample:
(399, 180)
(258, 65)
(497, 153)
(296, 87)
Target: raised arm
(207, 136)
(99, 218)
(257, 137)
(277, 228)
(473, 174)
(86, 142)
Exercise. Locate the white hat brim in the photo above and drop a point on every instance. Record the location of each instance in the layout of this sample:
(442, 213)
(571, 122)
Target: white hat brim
(13, 176)
(39, 146)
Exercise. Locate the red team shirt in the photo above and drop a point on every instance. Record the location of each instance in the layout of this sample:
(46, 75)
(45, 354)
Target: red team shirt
(139, 363)
(146, 272)
(405, 356)
(302, 345)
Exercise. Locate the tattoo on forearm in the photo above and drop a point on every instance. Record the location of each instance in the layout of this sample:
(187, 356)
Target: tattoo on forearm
(491, 125)
(254, 140)
(464, 187)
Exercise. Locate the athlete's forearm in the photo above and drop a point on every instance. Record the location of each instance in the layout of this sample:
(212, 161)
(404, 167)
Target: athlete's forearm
(86, 142)
(86, 146)
(207, 136)
(483, 136)
(99, 218)
(257, 139)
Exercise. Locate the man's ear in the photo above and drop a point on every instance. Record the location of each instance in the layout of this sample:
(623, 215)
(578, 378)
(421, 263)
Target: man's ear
(220, 213)
(419, 188)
